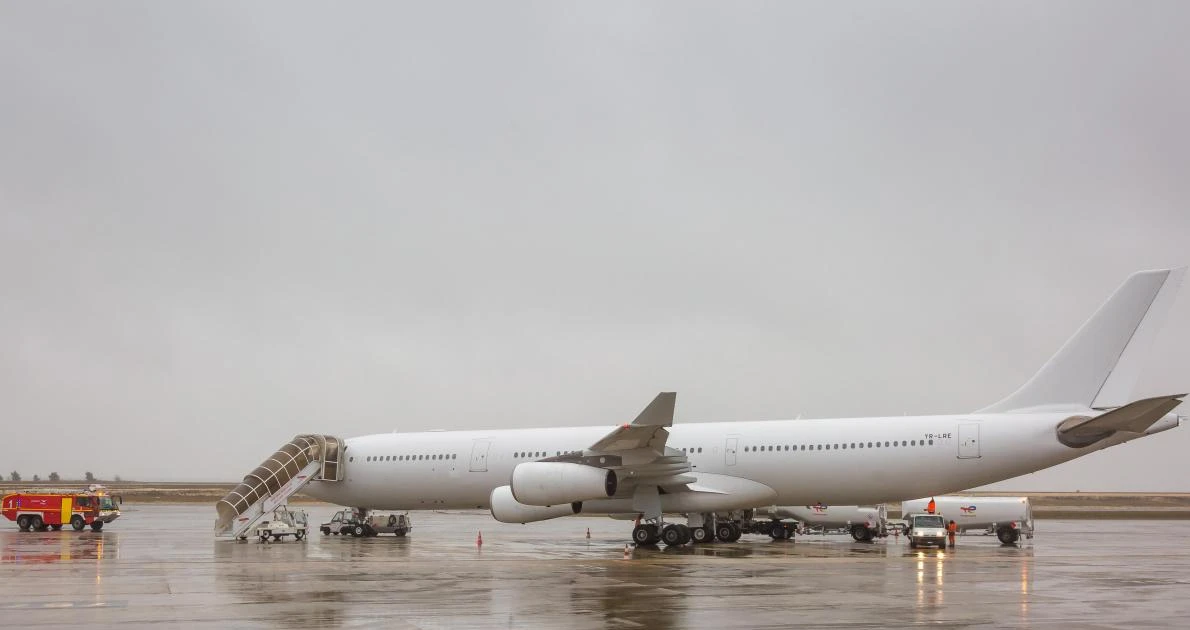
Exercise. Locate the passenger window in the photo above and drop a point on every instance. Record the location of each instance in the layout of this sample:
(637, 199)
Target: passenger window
(700, 449)
(886, 444)
(913, 443)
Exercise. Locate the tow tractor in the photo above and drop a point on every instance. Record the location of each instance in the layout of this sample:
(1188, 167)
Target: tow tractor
(284, 522)
(353, 522)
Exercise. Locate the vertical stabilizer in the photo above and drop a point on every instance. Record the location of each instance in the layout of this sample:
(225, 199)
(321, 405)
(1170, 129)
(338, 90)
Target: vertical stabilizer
(1099, 365)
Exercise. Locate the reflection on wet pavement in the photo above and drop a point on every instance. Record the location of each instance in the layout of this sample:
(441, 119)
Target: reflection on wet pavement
(159, 564)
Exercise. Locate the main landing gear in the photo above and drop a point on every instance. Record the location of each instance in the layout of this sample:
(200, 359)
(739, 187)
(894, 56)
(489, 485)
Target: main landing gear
(677, 534)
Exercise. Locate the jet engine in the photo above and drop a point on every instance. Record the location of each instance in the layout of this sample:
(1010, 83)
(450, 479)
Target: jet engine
(553, 483)
(507, 509)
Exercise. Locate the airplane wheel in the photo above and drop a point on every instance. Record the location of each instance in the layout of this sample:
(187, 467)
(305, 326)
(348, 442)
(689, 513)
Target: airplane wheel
(702, 535)
(687, 535)
(671, 536)
(736, 532)
(641, 535)
(724, 532)
(763, 527)
(777, 531)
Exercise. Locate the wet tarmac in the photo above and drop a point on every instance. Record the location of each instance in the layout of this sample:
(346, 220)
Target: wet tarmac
(159, 565)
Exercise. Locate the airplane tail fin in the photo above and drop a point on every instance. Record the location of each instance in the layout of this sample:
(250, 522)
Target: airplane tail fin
(1099, 365)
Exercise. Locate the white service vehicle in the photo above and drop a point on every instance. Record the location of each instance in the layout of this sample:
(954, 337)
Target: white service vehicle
(284, 522)
(349, 522)
(926, 529)
(1007, 517)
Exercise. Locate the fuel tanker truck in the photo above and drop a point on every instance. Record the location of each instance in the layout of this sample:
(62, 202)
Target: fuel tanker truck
(863, 522)
(1008, 518)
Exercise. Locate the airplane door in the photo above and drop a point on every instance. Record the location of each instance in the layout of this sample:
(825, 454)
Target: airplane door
(729, 450)
(479, 455)
(969, 441)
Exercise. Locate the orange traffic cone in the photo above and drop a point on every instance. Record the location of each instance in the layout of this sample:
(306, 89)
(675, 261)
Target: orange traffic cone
(479, 539)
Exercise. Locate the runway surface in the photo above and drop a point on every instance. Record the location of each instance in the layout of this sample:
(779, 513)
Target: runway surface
(159, 565)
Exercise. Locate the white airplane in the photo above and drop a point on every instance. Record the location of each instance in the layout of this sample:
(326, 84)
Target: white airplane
(1078, 403)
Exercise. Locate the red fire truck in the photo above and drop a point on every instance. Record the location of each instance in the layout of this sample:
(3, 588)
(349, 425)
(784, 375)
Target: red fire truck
(39, 509)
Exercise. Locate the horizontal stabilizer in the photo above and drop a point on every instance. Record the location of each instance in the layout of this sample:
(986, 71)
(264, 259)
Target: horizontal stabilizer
(1136, 417)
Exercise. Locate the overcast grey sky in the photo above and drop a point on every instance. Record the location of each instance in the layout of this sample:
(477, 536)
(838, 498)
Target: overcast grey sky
(222, 224)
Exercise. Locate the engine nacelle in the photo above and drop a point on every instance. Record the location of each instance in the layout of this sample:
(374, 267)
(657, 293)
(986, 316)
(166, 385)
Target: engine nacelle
(553, 483)
(506, 509)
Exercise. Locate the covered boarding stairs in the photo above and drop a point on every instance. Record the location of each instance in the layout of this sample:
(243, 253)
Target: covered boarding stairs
(300, 461)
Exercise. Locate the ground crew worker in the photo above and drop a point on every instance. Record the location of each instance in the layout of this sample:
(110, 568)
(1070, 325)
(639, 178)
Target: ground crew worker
(952, 528)
(930, 506)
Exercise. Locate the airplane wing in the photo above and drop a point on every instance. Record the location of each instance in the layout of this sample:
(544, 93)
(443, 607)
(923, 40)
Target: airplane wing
(1135, 417)
(637, 452)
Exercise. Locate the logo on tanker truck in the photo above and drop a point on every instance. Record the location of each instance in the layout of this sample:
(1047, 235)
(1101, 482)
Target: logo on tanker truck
(968, 510)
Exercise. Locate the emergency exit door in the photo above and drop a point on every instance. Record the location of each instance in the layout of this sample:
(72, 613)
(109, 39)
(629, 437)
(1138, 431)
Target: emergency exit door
(729, 450)
(479, 455)
(969, 441)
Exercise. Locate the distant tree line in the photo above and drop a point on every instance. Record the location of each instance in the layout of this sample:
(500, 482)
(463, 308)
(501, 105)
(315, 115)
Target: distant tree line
(88, 477)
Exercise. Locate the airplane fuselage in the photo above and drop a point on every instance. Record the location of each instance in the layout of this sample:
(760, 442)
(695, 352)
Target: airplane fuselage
(836, 461)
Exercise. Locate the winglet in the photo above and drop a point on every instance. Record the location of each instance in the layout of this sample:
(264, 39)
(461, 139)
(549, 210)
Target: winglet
(660, 412)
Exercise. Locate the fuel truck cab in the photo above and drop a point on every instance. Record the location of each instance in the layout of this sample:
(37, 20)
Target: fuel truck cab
(926, 529)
